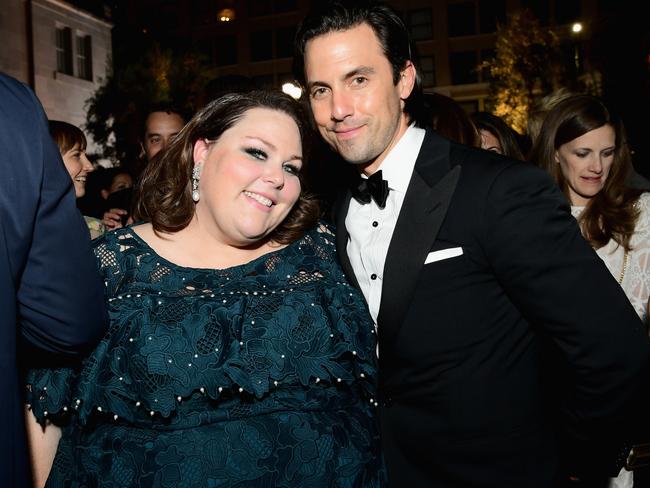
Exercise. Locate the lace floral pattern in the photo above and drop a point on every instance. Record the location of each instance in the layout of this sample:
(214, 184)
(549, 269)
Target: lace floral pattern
(261, 373)
(636, 279)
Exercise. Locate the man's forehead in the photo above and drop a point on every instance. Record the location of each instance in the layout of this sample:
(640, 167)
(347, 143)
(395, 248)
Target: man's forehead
(163, 121)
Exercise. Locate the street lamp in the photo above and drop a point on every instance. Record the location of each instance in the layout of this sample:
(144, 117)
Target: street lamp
(576, 29)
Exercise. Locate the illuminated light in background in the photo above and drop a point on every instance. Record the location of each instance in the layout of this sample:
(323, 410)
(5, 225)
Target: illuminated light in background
(292, 90)
(226, 15)
(576, 28)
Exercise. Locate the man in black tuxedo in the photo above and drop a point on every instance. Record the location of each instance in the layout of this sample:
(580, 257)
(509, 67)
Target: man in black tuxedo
(51, 294)
(471, 264)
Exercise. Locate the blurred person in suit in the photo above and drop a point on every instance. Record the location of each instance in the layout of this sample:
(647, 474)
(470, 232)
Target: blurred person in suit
(51, 295)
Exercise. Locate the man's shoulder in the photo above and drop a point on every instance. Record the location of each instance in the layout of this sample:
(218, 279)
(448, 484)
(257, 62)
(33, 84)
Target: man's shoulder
(14, 93)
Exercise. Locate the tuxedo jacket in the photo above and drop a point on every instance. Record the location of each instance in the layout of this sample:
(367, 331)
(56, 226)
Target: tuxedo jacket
(51, 294)
(462, 338)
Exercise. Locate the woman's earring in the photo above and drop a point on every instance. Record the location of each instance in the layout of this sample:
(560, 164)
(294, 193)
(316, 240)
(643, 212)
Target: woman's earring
(196, 176)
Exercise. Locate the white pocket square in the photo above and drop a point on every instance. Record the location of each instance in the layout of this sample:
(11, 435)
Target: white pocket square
(452, 252)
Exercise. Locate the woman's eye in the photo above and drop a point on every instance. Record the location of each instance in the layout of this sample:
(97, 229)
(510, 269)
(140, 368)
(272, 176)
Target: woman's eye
(256, 153)
(292, 169)
(609, 153)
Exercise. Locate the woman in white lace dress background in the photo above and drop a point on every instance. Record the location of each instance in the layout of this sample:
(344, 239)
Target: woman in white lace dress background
(583, 147)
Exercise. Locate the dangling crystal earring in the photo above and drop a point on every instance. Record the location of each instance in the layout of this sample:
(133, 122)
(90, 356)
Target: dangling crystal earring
(196, 176)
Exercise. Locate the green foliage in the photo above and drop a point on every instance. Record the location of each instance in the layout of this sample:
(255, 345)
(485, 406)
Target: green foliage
(115, 112)
(526, 63)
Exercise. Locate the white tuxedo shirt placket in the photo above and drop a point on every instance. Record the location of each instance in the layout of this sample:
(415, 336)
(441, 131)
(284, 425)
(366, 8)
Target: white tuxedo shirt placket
(370, 228)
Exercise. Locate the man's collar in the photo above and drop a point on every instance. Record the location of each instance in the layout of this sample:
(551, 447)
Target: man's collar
(398, 165)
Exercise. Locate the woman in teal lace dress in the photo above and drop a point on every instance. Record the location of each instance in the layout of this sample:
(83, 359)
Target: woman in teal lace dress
(238, 354)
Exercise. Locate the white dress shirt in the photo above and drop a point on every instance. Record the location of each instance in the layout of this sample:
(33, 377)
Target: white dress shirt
(370, 228)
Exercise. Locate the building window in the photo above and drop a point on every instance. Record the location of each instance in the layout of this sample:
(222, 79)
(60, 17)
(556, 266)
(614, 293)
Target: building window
(64, 50)
(284, 42)
(427, 72)
(567, 11)
(262, 45)
(540, 8)
(257, 8)
(491, 13)
(463, 66)
(420, 25)
(461, 18)
(486, 55)
(84, 57)
(265, 82)
(225, 50)
(282, 6)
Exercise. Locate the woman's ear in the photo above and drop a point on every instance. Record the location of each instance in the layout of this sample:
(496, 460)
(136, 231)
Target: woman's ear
(104, 194)
(200, 153)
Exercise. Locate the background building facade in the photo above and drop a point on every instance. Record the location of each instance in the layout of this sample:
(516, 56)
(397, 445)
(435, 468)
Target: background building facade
(61, 51)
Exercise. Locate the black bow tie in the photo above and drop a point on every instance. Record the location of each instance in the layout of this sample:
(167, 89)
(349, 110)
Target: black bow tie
(374, 187)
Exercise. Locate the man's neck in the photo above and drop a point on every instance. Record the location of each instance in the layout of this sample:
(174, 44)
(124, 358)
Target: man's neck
(373, 166)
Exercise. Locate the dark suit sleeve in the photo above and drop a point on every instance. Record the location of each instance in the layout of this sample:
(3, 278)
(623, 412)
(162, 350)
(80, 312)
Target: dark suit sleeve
(59, 292)
(562, 287)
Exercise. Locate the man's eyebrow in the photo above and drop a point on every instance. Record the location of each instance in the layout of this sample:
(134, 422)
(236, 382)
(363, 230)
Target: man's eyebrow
(360, 70)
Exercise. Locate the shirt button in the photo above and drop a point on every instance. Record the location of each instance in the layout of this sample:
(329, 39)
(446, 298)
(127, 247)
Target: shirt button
(375, 223)
(373, 276)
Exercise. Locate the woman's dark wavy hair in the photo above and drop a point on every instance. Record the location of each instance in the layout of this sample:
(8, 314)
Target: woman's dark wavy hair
(611, 214)
(165, 189)
(335, 16)
(66, 136)
(506, 136)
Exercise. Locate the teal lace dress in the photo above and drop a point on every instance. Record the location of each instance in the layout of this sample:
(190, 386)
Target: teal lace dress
(257, 375)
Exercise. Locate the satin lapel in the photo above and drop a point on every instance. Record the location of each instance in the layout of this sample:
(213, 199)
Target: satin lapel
(423, 211)
(340, 212)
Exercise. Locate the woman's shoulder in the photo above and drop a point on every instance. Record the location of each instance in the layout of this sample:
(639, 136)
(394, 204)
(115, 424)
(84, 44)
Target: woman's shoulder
(642, 227)
(321, 233)
(643, 202)
(112, 249)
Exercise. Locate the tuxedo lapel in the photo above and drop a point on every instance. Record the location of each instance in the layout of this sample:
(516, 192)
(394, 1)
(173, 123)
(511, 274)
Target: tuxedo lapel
(340, 212)
(423, 211)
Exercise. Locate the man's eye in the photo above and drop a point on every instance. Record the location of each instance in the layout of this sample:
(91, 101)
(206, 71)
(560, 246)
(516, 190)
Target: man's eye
(318, 92)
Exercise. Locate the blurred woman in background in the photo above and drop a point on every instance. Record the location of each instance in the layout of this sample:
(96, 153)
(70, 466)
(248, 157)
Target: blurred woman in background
(583, 146)
(72, 146)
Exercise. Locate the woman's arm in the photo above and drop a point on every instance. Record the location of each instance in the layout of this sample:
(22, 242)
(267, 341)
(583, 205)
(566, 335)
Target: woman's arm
(43, 443)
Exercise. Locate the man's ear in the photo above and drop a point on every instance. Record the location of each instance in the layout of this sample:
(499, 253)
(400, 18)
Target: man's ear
(407, 79)
(143, 153)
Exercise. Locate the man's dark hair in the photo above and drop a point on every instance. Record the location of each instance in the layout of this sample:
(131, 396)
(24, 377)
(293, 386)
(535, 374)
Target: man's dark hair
(160, 107)
(335, 16)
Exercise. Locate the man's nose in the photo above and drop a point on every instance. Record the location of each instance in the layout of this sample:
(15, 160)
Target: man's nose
(342, 106)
